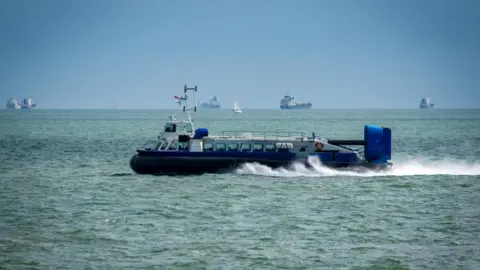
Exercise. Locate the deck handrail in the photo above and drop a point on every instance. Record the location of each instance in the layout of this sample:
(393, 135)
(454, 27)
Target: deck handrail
(276, 134)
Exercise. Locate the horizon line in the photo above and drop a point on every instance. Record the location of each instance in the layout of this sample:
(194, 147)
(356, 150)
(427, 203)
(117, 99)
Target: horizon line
(225, 109)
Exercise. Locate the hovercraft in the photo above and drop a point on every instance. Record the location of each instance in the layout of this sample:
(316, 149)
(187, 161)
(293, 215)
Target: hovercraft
(182, 149)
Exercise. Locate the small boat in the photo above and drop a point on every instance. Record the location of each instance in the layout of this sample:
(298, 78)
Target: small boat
(182, 150)
(236, 107)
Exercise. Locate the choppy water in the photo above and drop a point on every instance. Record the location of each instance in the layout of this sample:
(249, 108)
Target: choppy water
(70, 201)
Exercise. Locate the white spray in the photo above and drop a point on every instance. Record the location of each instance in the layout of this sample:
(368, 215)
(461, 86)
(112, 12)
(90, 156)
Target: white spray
(415, 166)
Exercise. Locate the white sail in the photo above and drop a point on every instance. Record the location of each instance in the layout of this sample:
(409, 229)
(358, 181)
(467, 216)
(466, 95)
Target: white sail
(236, 107)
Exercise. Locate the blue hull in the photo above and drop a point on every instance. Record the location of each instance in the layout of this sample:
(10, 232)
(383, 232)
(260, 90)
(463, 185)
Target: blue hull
(295, 107)
(193, 163)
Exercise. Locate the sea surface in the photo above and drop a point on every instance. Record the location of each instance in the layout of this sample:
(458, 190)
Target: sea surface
(70, 201)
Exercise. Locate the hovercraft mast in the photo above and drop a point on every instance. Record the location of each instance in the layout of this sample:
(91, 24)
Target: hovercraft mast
(182, 102)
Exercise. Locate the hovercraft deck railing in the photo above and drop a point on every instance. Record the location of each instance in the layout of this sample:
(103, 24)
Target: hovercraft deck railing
(265, 135)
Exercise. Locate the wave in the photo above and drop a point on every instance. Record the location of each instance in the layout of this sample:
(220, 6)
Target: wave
(414, 166)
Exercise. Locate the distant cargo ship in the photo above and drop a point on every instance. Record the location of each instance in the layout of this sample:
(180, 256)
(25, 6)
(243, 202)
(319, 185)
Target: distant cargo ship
(13, 104)
(425, 103)
(289, 103)
(27, 103)
(213, 103)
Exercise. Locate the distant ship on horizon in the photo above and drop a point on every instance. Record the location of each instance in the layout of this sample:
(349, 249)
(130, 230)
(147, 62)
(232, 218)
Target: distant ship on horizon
(13, 104)
(288, 103)
(425, 103)
(27, 103)
(213, 103)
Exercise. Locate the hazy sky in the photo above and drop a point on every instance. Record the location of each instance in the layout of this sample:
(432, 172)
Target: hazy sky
(337, 54)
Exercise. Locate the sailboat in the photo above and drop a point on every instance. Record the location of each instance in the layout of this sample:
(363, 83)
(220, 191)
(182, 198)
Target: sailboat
(236, 107)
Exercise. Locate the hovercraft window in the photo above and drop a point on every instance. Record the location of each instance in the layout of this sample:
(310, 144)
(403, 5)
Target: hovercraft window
(164, 145)
(246, 147)
(173, 146)
(169, 127)
(208, 147)
(232, 147)
(258, 147)
(182, 146)
(220, 147)
(157, 146)
(188, 128)
(269, 148)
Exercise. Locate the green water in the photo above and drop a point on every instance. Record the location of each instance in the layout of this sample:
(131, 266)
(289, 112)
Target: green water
(70, 201)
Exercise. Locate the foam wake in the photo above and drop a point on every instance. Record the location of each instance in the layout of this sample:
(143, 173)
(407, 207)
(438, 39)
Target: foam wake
(416, 166)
